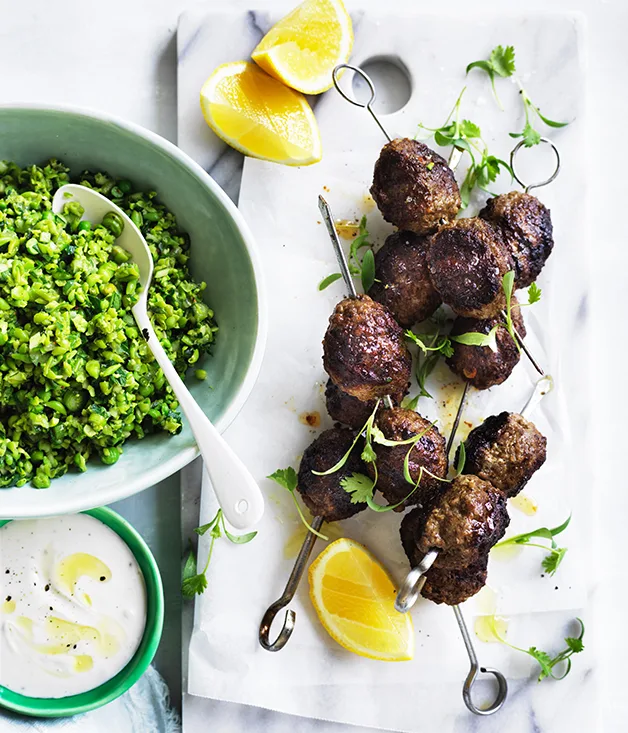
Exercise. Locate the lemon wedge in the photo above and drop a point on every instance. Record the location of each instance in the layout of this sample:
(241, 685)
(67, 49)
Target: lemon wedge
(259, 116)
(303, 48)
(354, 599)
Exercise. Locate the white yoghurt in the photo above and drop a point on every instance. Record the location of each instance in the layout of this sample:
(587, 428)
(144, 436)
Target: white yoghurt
(72, 605)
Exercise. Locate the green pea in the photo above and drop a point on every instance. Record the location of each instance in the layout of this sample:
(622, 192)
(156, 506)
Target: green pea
(74, 400)
(84, 226)
(114, 223)
(110, 455)
(125, 186)
(200, 374)
(40, 481)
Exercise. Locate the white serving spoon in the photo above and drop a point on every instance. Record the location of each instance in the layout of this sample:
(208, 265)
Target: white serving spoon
(238, 494)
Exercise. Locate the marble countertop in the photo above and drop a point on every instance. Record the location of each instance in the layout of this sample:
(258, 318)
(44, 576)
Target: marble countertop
(120, 57)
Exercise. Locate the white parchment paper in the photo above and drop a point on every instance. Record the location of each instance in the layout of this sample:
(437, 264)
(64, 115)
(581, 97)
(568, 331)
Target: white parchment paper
(313, 676)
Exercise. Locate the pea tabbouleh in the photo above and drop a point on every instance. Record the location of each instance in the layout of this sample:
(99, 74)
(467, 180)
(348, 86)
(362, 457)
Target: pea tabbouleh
(76, 377)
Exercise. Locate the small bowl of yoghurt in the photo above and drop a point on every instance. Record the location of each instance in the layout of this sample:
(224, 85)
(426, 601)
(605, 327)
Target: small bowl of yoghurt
(81, 612)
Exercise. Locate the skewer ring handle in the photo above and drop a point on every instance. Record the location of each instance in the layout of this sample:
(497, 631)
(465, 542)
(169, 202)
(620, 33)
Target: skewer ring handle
(286, 630)
(529, 186)
(413, 583)
(356, 70)
(500, 698)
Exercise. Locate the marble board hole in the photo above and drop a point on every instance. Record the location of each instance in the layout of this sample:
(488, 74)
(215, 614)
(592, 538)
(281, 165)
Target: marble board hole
(392, 80)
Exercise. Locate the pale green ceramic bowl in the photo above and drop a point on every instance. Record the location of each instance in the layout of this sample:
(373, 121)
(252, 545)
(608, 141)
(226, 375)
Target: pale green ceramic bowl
(223, 254)
(127, 677)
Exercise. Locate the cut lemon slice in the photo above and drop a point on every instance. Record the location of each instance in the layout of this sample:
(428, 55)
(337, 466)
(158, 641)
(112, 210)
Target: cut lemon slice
(354, 598)
(259, 116)
(303, 48)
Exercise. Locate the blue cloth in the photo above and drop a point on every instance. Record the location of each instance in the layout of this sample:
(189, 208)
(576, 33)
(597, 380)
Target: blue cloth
(145, 708)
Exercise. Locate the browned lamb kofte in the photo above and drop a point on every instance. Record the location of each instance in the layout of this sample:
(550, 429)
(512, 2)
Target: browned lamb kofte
(348, 410)
(324, 496)
(507, 450)
(413, 187)
(428, 453)
(479, 365)
(402, 281)
(467, 261)
(364, 351)
(526, 225)
(463, 525)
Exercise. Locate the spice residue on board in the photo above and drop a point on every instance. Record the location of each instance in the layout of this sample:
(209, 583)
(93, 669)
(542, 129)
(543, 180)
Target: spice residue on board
(347, 228)
(311, 419)
(525, 504)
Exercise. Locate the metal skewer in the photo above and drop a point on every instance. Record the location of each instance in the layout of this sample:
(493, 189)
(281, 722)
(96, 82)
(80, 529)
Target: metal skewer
(310, 539)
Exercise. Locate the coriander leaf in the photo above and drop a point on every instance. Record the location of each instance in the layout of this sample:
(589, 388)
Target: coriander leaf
(368, 270)
(530, 136)
(472, 338)
(508, 284)
(544, 660)
(575, 645)
(534, 294)
(286, 477)
(359, 486)
(425, 367)
(461, 459)
(548, 122)
(326, 282)
(368, 454)
(483, 65)
(189, 567)
(210, 525)
(551, 562)
(502, 60)
(240, 539)
(194, 585)
(561, 527)
(410, 403)
(469, 129)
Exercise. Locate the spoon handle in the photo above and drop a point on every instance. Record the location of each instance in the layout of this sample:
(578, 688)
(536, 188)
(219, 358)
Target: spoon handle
(238, 494)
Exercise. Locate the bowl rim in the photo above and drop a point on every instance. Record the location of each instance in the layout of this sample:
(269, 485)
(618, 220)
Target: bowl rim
(151, 637)
(158, 473)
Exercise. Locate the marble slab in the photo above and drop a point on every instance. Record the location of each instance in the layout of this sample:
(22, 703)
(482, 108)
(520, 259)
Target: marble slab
(551, 48)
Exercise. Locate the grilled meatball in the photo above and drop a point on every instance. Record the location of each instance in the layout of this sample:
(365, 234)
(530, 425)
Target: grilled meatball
(506, 449)
(455, 585)
(364, 352)
(402, 280)
(527, 228)
(323, 495)
(465, 523)
(479, 365)
(413, 186)
(467, 261)
(349, 410)
(442, 585)
(429, 453)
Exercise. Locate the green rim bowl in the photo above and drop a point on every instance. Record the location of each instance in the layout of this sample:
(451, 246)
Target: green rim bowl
(127, 677)
(223, 254)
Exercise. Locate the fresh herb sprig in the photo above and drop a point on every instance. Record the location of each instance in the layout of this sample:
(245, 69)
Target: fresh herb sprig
(362, 266)
(361, 487)
(547, 662)
(196, 583)
(287, 477)
(501, 62)
(555, 555)
(465, 135)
